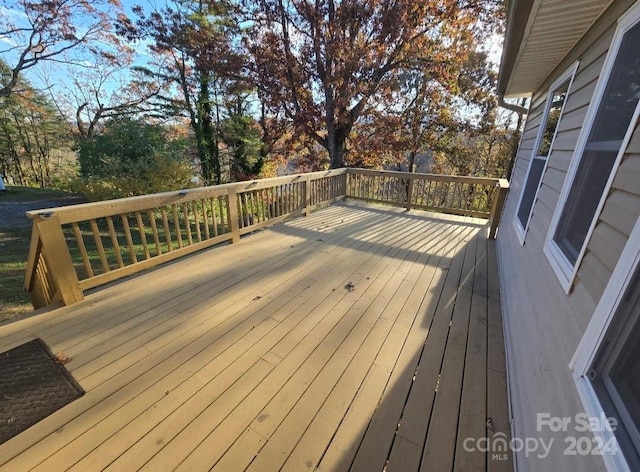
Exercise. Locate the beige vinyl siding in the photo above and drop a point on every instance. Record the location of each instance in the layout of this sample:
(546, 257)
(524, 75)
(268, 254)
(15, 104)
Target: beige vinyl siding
(572, 119)
(523, 165)
(621, 211)
(531, 130)
(547, 201)
(543, 336)
(544, 213)
(565, 140)
(554, 178)
(594, 274)
(608, 243)
(543, 324)
(561, 160)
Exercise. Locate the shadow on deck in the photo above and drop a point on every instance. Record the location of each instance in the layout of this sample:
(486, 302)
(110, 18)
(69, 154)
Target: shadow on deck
(359, 338)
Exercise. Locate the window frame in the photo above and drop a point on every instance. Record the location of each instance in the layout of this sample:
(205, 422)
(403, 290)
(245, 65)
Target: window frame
(591, 342)
(564, 270)
(566, 77)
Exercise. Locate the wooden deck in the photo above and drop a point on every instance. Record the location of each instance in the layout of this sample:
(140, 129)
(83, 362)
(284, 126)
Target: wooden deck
(359, 338)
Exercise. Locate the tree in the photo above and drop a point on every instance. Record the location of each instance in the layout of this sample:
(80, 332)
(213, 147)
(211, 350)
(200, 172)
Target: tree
(484, 150)
(32, 134)
(242, 138)
(107, 88)
(48, 30)
(196, 48)
(325, 60)
(409, 120)
(420, 111)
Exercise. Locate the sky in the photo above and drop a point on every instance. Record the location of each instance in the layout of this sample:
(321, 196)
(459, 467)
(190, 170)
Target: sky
(11, 11)
(55, 79)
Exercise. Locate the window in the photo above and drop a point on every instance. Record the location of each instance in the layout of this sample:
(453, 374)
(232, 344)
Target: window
(607, 362)
(609, 124)
(615, 374)
(544, 142)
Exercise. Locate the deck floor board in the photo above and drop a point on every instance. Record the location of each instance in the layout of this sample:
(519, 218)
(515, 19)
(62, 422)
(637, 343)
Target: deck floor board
(361, 337)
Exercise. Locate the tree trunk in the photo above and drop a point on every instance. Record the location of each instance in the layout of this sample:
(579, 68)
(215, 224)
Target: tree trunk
(411, 162)
(206, 134)
(336, 140)
(515, 140)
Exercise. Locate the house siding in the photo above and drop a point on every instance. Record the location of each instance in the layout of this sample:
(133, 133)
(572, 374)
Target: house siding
(543, 325)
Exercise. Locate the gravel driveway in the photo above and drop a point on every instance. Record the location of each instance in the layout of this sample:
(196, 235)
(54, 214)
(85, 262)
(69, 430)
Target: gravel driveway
(12, 214)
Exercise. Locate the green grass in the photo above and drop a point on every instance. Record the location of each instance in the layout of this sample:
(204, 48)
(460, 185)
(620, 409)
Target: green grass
(14, 251)
(30, 194)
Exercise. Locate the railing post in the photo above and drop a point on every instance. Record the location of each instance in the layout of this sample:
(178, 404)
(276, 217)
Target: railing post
(409, 192)
(234, 215)
(58, 259)
(497, 207)
(307, 195)
(345, 182)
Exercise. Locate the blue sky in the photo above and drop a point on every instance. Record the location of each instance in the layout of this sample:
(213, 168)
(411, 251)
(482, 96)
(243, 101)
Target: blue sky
(59, 78)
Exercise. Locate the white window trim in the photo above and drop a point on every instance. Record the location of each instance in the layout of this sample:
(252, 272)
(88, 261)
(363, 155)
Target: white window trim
(589, 345)
(563, 269)
(567, 75)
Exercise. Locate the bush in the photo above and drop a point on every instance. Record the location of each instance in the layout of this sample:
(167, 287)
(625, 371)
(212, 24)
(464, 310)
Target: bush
(132, 158)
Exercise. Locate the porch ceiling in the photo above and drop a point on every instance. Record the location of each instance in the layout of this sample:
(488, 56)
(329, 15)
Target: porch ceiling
(539, 34)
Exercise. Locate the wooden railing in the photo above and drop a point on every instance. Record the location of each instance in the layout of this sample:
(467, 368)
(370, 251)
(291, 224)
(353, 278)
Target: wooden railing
(468, 196)
(79, 247)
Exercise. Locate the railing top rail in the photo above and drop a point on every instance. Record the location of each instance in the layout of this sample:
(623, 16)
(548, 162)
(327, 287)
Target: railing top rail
(75, 213)
(434, 177)
(84, 211)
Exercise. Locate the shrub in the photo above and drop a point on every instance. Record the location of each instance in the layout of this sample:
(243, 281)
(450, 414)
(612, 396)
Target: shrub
(132, 158)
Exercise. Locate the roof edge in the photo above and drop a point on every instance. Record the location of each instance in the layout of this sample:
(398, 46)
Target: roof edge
(517, 18)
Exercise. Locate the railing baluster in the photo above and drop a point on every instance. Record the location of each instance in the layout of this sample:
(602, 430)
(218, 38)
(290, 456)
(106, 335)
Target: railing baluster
(456, 195)
(176, 225)
(98, 239)
(214, 219)
(260, 202)
(224, 220)
(82, 249)
(271, 203)
(114, 241)
(167, 232)
(205, 218)
(251, 217)
(299, 197)
(290, 202)
(233, 209)
(187, 223)
(265, 204)
(127, 235)
(194, 207)
(260, 207)
(143, 235)
(154, 230)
